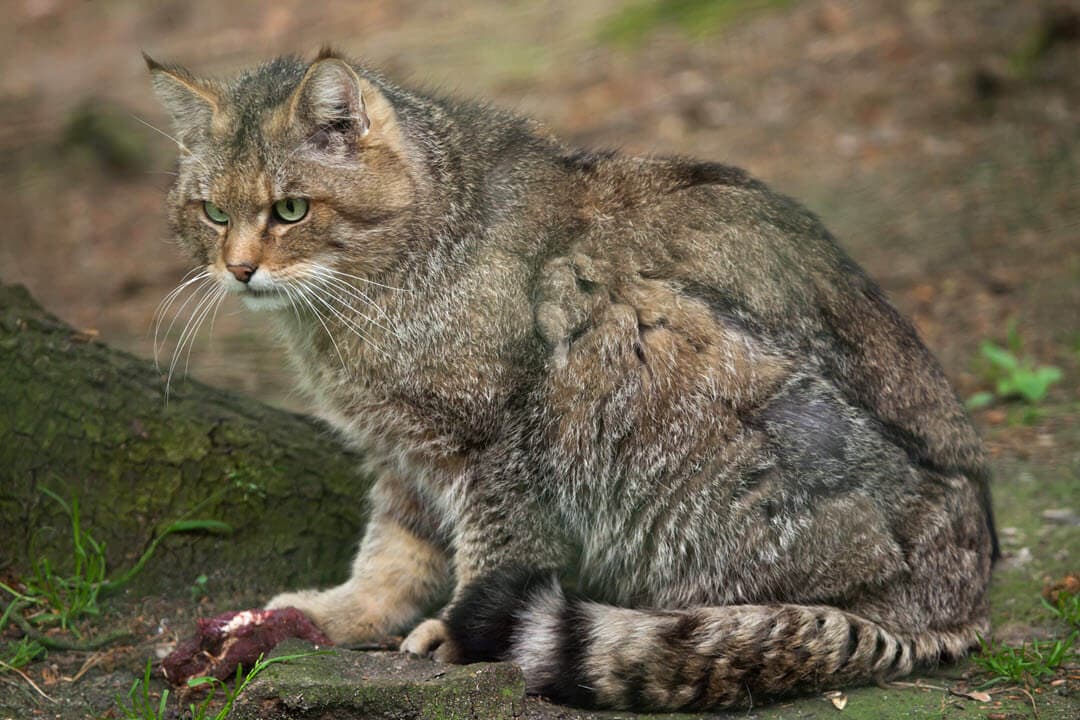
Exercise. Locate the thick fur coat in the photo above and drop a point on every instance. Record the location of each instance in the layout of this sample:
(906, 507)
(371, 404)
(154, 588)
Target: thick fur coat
(640, 425)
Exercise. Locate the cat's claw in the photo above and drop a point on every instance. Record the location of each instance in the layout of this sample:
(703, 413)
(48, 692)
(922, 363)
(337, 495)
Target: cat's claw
(431, 639)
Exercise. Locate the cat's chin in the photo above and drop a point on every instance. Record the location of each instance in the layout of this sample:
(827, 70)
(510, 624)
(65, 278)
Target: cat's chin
(261, 302)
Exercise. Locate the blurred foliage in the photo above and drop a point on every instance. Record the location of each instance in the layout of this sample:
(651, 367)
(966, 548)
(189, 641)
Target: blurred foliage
(1012, 374)
(107, 135)
(1058, 25)
(697, 18)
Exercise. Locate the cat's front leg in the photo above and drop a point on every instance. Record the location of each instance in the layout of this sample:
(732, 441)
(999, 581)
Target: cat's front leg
(399, 571)
(502, 531)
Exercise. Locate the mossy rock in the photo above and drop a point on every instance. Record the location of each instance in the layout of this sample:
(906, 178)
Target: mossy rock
(351, 685)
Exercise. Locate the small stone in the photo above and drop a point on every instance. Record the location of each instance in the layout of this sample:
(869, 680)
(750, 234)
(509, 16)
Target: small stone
(1019, 559)
(1061, 516)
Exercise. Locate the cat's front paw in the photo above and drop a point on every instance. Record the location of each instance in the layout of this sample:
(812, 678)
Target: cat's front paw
(340, 612)
(432, 639)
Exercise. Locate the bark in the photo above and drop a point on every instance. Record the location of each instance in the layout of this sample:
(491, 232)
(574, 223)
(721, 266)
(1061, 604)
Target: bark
(89, 423)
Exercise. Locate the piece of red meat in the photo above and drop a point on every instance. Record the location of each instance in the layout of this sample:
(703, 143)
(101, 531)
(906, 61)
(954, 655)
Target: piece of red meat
(235, 638)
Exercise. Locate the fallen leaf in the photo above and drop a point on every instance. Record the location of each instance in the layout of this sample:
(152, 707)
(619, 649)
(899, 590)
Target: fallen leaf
(1070, 585)
(923, 293)
(839, 701)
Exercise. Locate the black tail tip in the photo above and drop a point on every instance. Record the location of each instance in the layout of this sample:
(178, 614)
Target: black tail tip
(483, 622)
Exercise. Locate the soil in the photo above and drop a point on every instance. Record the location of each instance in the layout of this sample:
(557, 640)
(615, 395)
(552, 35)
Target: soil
(938, 140)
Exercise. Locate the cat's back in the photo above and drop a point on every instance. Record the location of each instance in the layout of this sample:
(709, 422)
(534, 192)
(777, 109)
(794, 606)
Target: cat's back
(675, 258)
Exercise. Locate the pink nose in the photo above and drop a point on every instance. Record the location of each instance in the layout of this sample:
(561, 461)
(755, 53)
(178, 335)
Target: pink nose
(243, 271)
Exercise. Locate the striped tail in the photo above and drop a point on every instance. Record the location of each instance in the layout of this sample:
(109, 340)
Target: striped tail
(591, 655)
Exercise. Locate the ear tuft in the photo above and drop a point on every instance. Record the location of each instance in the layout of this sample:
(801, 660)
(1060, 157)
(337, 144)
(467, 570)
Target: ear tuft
(327, 52)
(151, 63)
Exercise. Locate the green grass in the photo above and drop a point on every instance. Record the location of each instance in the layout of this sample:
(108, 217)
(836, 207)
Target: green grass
(20, 653)
(198, 588)
(697, 18)
(65, 598)
(1028, 664)
(1067, 608)
(1033, 662)
(60, 594)
(141, 705)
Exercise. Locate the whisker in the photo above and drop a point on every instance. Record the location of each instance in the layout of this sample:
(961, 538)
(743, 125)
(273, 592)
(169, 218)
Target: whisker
(188, 333)
(317, 293)
(183, 148)
(203, 280)
(292, 303)
(219, 295)
(159, 131)
(369, 281)
(203, 285)
(349, 324)
(184, 282)
(213, 318)
(333, 293)
(163, 306)
(338, 284)
(315, 312)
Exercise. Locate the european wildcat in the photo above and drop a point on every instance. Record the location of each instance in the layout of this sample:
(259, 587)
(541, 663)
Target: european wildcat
(652, 376)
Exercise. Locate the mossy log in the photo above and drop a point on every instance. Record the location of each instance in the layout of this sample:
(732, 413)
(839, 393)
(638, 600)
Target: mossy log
(89, 423)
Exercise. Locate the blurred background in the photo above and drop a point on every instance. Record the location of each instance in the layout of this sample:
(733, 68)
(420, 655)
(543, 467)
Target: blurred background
(936, 138)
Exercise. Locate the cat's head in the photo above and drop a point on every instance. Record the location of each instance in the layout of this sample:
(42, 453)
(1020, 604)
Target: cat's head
(288, 173)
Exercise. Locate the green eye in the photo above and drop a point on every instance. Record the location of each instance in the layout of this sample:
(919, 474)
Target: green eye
(290, 209)
(215, 213)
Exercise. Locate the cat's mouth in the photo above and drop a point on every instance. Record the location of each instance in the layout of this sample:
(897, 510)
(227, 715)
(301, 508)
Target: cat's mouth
(260, 291)
(264, 299)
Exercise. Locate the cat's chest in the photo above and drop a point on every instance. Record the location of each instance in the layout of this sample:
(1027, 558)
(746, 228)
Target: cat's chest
(399, 426)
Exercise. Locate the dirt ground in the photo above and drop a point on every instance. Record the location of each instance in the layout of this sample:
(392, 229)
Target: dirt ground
(937, 139)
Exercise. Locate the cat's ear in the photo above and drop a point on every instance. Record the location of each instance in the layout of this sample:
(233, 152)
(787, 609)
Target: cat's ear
(333, 102)
(191, 101)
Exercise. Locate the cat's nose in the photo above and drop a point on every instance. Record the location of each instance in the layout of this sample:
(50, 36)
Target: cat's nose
(243, 271)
